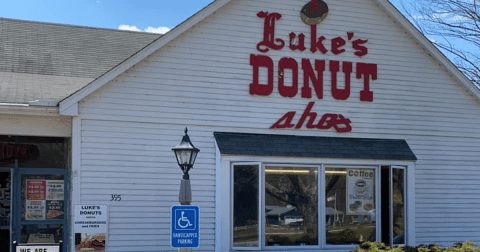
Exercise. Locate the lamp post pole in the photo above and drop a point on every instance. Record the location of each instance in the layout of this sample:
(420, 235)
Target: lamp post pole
(186, 154)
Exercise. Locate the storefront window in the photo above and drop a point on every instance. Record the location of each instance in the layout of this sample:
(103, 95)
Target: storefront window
(288, 199)
(245, 209)
(350, 205)
(291, 206)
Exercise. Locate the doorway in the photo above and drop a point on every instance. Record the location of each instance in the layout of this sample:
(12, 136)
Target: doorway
(5, 209)
(34, 196)
(392, 193)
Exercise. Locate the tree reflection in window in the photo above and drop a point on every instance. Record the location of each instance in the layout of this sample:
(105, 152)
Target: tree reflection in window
(291, 206)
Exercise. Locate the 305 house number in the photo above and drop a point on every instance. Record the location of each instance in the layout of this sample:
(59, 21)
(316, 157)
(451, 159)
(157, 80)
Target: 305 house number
(116, 197)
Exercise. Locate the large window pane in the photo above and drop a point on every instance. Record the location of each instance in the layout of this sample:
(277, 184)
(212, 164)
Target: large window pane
(245, 206)
(291, 206)
(398, 183)
(350, 205)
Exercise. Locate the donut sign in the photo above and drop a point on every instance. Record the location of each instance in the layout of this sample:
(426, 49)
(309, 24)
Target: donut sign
(312, 70)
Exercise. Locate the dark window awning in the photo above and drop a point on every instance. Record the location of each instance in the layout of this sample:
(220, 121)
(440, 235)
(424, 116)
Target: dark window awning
(313, 147)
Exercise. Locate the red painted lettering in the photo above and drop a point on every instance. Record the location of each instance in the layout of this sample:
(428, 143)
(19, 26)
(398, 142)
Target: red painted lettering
(300, 44)
(285, 121)
(367, 71)
(337, 43)
(269, 40)
(340, 94)
(256, 88)
(316, 44)
(287, 91)
(307, 114)
(360, 49)
(308, 74)
(338, 122)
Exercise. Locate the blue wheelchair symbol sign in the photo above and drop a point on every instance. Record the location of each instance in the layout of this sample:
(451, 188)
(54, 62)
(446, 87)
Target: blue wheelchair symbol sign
(185, 226)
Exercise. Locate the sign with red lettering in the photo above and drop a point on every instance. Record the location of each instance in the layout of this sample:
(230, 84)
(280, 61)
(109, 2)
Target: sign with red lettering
(22, 152)
(312, 71)
(36, 189)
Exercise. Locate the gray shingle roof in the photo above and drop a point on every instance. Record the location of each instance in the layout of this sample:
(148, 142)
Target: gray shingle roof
(314, 147)
(47, 61)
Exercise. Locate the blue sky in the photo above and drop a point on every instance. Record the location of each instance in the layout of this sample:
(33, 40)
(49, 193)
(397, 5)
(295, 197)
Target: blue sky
(104, 13)
(127, 14)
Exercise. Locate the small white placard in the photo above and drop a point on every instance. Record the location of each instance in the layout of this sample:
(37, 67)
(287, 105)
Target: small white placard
(38, 248)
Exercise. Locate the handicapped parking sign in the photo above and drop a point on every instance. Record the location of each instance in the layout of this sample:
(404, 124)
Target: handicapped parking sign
(185, 227)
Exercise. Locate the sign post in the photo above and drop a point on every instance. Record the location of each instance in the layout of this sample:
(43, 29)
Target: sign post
(185, 232)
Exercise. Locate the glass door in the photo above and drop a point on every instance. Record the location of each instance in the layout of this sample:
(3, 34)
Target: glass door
(40, 197)
(393, 199)
(5, 209)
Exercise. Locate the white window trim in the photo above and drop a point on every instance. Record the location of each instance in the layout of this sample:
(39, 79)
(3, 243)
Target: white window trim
(223, 194)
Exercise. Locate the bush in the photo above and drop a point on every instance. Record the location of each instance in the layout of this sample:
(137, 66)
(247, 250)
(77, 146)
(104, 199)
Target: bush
(458, 247)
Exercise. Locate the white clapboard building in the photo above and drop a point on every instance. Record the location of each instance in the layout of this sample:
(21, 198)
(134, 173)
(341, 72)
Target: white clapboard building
(320, 124)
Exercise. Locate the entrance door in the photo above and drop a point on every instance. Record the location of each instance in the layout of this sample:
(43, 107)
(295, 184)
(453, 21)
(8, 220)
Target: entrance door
(393, 193)
(5, 208)
(40, 199)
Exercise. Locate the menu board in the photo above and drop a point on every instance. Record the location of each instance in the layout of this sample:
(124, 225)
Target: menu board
(44, 199)
(360, 191)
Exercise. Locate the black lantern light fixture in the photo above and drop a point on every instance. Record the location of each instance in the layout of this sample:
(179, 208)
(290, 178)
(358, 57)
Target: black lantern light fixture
(186, 154)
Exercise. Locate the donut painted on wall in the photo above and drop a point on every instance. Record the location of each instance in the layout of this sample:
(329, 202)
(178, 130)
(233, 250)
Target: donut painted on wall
(313, 15)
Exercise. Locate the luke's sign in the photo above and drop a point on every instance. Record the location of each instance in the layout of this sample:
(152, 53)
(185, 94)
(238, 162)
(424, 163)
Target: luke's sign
(312, 72)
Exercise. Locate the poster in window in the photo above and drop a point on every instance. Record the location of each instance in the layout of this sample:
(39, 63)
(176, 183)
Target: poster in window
(36, 189)
(55, 210)
(360, 191)
(35, 210)
(55, 190)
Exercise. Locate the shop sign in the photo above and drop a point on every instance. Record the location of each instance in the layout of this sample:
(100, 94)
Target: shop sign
(360, 191)
(23, 152)
(185, 232)
(90, 227)
(311, 70)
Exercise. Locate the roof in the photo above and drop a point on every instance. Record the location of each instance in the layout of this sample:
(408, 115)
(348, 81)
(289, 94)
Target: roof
(48, 62)
(279, 211)
(69, 106)
(313, 147)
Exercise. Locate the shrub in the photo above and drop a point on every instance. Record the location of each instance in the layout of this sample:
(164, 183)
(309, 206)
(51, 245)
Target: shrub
(458, 247)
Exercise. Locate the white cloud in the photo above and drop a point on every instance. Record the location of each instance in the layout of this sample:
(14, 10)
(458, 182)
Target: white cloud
(159, 30)
(128, 28)
(150, 29)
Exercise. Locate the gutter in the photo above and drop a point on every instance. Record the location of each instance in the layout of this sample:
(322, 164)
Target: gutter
(34, 108)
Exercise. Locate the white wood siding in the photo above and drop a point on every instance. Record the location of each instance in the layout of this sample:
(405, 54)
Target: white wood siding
(201, 80)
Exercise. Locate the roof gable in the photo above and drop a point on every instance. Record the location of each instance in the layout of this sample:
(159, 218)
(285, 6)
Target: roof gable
(69, 106)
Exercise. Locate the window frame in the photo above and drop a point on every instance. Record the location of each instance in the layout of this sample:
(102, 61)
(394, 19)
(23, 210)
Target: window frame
(224, 232)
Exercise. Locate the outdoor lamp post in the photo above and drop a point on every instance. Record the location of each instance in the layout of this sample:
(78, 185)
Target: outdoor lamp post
(186, 154)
